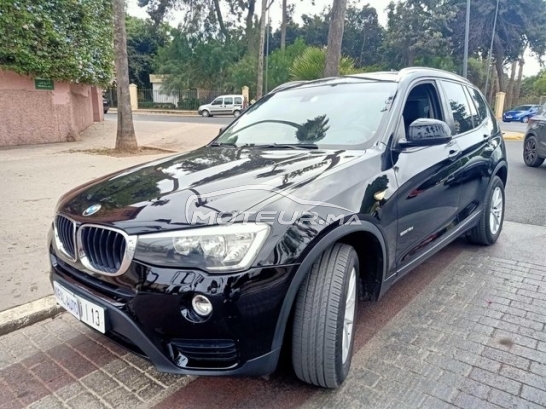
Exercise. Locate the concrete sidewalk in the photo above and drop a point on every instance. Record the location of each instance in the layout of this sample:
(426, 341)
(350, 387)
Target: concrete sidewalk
(34, 177)
(464, 330)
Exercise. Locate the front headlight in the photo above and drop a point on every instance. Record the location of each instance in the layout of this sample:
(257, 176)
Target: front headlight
(215, 248)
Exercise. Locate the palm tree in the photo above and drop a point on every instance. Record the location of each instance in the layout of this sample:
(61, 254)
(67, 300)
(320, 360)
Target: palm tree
(126, 138)
(335, 37)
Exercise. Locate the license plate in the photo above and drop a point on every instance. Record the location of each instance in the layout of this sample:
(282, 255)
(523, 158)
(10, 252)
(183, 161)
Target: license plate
(85, 311)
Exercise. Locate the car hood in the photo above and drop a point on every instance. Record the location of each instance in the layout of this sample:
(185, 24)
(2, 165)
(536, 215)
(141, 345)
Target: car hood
(164, 194)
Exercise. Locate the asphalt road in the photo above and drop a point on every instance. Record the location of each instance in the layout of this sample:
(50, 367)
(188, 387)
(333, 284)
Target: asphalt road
(526, 189)
(220, 120)
(513, 127)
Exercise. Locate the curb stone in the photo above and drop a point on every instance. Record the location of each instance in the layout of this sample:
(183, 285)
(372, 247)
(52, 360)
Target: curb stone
(159, 112)
(512, 136)
(28, 314)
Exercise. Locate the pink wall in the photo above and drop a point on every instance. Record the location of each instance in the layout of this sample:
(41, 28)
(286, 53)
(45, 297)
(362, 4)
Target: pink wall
(31, 116)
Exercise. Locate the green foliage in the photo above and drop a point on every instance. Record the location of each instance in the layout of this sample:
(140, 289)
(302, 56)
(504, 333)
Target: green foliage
(189, 103)
(416, 31)
(62, 40)
(144, 38)
(280, 63)
(539, 86)
(196, 62)
(310, 65)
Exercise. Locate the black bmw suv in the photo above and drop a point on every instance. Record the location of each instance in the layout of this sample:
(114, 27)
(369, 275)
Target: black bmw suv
(321, 195)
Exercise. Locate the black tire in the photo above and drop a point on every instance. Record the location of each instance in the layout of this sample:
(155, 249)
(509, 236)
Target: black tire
(236, 113)
(205, 113)
(525, 119)
(318, 327)
(484, 233)
(530, 154)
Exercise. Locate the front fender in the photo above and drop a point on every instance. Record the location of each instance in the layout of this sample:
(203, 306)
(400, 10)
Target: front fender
(330, 238)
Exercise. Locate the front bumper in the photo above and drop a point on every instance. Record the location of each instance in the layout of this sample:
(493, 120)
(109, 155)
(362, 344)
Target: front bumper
(237, 339)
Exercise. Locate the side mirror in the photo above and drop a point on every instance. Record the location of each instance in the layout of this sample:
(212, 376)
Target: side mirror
(221, 130)
(427, 132)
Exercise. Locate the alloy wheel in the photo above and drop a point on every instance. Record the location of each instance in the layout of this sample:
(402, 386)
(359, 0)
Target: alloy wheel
(496, 210)
(349, 317)
(530, 150)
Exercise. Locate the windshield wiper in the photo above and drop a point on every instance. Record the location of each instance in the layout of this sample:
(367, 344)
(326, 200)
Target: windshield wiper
(289, 146)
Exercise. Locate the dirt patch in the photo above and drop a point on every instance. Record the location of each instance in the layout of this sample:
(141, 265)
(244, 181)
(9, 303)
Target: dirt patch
(143, 150)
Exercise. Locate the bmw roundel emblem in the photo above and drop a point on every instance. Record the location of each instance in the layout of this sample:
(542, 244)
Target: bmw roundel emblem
(91, 210)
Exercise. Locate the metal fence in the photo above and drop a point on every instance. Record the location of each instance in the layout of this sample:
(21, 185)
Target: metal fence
(182, 99)
(149, 98)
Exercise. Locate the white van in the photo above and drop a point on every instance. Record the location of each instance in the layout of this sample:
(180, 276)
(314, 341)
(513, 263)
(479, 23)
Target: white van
(223, 105)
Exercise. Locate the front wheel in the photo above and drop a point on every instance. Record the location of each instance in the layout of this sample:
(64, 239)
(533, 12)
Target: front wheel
(530, 154)
(489, 229)
(236, 113)
(205, 113)
(324, 317)
(525, 119)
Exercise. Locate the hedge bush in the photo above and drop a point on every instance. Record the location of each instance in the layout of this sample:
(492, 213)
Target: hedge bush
(63, 40)
(189, 103)
(156, 105)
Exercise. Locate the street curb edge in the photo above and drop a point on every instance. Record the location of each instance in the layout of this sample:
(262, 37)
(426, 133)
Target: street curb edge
(27, 314)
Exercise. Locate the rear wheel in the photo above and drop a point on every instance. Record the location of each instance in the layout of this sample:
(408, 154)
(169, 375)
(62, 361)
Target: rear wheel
(525, 119)
(530, 154)
(325, 311)
(489, 229)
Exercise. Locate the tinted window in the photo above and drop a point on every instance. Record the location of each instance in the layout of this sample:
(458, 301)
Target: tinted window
(228, 101)
(481, 105)
(459, 107)
(238, 101)
(315, 113)
(217, 101)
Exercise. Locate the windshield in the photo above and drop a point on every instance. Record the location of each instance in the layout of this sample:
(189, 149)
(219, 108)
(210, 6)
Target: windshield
(523, 108)
(339, 114)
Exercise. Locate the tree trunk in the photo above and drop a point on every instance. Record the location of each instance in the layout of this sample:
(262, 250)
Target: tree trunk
(517, 92)
(283, 24)
(492, 87)
(220, 19)
(250, 21)
(260, 82)
(510, 91)
(126, 138)
(499, 63)
(335, 38)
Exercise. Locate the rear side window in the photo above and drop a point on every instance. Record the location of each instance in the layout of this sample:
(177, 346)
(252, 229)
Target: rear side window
(459, 105)
(481, 105)
(228, 101)
(238, 101)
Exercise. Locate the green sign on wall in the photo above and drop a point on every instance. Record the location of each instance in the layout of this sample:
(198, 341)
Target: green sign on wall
(40, 83)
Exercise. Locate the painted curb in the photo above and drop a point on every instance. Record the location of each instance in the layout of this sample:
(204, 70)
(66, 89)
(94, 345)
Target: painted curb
(28, 314)
(513, 136)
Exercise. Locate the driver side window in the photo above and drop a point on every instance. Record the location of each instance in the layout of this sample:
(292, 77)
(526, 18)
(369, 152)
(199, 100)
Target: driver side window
(217, 101)
(422, 102)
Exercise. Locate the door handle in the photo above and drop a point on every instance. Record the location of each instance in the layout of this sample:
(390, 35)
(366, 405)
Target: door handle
(454, 154)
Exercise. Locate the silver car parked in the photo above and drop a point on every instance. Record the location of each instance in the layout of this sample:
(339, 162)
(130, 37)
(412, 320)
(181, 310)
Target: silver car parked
(223, 105)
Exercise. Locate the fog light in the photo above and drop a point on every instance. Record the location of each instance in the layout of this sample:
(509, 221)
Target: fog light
(201, 305)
